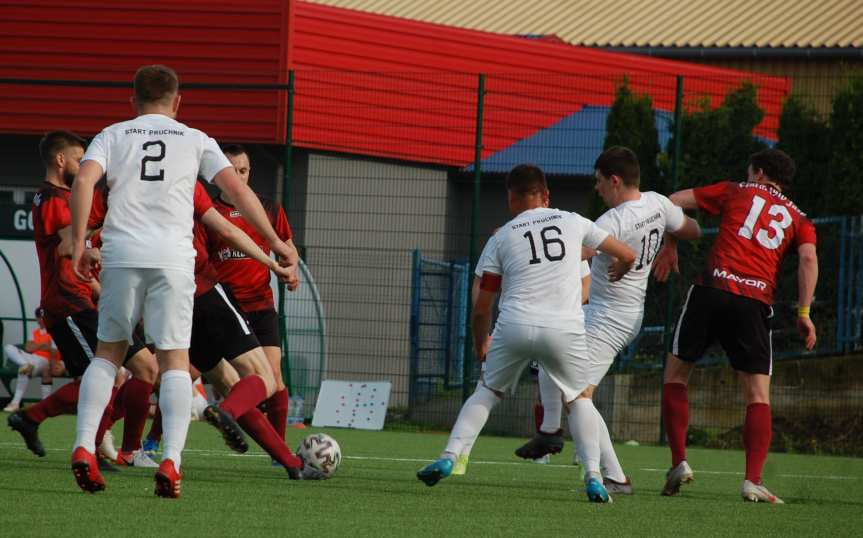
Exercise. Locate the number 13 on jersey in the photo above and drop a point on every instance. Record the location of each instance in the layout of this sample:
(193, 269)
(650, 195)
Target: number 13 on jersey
(763, 236)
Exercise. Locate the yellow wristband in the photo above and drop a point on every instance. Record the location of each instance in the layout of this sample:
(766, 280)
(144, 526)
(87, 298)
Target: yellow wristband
(802, 311)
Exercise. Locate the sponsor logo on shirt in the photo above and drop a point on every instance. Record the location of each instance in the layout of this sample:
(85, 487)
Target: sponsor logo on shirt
(648, 220)
(231, 254)
(759, 284)
(235, 213)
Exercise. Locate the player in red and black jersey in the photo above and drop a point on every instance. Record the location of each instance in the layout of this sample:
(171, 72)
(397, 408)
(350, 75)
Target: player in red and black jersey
(250, 281)
(731, 300)
(220, 330)
(69, 310)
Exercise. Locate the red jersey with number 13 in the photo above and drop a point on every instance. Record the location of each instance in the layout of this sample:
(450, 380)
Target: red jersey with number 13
(758, 226)
(248, 279)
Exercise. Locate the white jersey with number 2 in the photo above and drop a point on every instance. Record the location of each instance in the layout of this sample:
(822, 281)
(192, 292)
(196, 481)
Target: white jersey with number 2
(538, 255)
(152, 163)
(640, 224)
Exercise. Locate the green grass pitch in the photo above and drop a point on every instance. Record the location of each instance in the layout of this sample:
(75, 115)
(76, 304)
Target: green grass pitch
(376, 493)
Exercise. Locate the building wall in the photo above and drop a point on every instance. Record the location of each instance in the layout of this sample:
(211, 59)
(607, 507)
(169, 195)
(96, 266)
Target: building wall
(361, 221)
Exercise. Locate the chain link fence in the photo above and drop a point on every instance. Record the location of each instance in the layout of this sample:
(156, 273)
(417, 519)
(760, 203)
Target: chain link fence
(394, 181)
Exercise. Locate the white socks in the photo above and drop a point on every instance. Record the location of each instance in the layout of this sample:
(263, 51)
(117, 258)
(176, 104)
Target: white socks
(584, 426)
(175, 401)
(20, 388)
(608, 457)
(93, 397)
(46, 389)
(552, 402)
(15, 355)
(471, 419)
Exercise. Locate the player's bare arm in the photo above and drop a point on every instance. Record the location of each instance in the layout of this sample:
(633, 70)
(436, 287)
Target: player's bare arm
(482, 311)
(684, 199)
(80, 203)
(624, 257)
(587, 253)
(666, 260)
(251, 209)
(238, 239)
(807, 278)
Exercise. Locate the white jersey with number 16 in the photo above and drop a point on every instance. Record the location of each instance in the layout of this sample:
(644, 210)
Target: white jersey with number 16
(152, 163)
(538, 255)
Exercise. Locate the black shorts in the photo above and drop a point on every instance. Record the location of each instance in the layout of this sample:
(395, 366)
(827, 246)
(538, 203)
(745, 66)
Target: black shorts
(740, 324)
(75, 338)
(220, 330)
(265, 323)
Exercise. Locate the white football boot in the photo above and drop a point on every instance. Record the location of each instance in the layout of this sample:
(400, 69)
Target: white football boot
(752, 492)
(681, 474)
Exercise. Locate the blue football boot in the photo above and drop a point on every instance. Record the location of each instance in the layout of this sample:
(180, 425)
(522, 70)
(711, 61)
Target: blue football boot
(432, 473)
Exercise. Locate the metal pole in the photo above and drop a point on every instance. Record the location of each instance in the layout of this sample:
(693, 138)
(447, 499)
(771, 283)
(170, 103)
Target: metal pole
(477, 178)
(669, 287)
(287, 173)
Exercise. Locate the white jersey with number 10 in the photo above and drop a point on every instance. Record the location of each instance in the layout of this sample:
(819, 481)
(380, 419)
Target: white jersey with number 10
(152, 163)
(538, 255)
(640, 224)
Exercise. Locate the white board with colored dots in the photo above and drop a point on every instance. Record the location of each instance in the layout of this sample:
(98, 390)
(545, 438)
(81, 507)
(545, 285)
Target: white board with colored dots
(352, 404)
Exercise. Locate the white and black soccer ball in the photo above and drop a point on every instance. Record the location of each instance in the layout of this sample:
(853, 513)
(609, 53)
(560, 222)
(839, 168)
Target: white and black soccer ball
(321, 456)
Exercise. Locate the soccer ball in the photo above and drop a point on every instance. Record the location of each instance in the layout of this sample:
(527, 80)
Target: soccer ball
(321, 456)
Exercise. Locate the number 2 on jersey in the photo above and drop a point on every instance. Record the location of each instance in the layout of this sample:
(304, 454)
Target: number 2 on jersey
(763, 235)
(149, 157)
(546, 241)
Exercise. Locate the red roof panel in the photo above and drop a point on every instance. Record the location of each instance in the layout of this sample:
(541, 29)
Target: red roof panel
(366, 84)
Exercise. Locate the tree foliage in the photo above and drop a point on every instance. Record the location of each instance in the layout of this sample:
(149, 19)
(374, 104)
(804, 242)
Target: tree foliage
(805, 136)
(632, 123)
(844, 186)
(717, 142)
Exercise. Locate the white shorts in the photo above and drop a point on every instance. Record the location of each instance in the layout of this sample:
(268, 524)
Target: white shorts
(563, 355)
(23, 358)
(164, 297)
(607, 335)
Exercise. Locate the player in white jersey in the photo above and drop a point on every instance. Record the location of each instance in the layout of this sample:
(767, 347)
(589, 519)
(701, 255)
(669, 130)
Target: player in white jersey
(460, 467)
(534, 261)
(613, 315)
(152, 163)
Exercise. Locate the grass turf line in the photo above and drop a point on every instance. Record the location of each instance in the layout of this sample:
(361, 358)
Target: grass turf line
(372, 495)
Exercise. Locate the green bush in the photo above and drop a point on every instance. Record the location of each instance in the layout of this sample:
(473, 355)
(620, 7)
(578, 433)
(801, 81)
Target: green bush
(717, 142)
(632, 123)
(805, 136)
(844, 187)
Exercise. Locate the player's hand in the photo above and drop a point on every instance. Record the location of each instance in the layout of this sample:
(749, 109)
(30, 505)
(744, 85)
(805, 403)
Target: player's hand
(807, 331)
(283, 251)
(481, 351)
(617, 269)
(81, 270)
(66, 246)
(665, 262)
(91, 262)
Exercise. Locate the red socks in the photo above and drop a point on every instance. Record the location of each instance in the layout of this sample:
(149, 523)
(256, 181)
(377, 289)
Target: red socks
(62, 400)
(259, 429)
(156, 426)
(136, 405)
(538, 415)
(675, 415)
(757, 432)
(246, 394)
(277, 411)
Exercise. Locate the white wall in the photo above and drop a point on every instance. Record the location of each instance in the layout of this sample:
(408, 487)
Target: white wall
(22, 255)
(363, 220)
